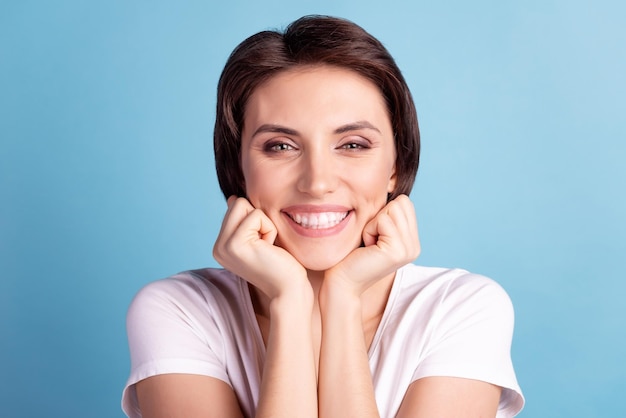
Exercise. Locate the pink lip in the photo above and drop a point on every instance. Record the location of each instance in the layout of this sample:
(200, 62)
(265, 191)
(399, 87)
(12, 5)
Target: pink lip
(316, 208)
(317, 233)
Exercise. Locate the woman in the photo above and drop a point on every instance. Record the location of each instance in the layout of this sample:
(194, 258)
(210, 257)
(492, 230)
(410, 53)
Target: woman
(318, 311)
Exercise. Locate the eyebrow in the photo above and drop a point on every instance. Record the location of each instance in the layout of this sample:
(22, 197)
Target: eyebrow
(362, 124)
(355, 126)
(275, 129)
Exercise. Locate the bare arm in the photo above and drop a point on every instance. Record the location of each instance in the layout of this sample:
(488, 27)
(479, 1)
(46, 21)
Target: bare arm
(246, 247)
(288, 385)
(288, 382)
(345, 382)
(186, 396)
(450, 397)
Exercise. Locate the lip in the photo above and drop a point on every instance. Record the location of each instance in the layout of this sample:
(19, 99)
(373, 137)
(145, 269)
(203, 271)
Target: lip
(315, 209)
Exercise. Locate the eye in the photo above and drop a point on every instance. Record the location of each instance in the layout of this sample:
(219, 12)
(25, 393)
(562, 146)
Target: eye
(354, 145)
(278, 147)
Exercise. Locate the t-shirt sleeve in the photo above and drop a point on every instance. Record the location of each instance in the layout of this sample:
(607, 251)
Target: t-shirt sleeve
(171, 330)
(472, 339)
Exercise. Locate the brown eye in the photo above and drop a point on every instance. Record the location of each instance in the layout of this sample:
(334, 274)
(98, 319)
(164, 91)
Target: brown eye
(355, 145)
(278, 147)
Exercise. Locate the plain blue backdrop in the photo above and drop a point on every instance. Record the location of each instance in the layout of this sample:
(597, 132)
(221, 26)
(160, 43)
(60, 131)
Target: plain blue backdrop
(107, 179)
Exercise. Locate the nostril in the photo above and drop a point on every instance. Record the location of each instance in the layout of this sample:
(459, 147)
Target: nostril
(317, 185)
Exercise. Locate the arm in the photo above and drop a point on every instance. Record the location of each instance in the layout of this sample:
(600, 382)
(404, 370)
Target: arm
(346, 387)
(246, 247)
(450, 397)
(390, 241)
(347, 376)
(288, 383)
(286, 367)
(469, 365)
(186, 395)
(345, 384)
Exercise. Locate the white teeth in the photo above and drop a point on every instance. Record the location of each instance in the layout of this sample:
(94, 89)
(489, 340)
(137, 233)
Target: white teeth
(321, 220)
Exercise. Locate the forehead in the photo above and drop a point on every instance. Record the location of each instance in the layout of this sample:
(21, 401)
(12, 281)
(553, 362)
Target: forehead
(329, 94)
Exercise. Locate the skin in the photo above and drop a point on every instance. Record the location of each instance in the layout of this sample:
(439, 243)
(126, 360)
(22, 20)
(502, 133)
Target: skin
(317, 140)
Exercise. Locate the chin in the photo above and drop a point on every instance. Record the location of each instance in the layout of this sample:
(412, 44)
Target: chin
(319, 255)
(319, 262)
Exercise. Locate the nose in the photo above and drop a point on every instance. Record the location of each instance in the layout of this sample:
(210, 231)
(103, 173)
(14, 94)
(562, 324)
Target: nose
(318, 172)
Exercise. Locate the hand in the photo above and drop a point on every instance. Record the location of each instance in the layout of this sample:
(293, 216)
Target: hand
(245, 246)
(390, 241)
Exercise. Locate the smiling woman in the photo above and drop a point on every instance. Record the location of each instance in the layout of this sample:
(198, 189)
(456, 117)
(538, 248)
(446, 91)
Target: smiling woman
(318, 310)
(331, 145)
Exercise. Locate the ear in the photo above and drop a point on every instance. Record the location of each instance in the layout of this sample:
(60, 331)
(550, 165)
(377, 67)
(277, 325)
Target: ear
(393, 180)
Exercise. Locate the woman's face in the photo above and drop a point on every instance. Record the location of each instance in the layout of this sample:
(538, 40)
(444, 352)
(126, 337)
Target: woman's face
(318, 157)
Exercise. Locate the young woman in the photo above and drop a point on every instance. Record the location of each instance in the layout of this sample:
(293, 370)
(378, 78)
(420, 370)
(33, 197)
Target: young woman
(318, 310)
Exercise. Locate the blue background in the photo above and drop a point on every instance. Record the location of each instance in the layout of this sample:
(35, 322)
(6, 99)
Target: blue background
(107, 178)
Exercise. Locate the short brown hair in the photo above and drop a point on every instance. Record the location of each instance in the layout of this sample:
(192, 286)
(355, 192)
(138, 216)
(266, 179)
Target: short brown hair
(310, 40)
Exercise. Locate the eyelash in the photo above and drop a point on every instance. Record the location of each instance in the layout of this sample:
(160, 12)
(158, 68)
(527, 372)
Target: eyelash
(276, 147)
(279, 147)
(354, 145)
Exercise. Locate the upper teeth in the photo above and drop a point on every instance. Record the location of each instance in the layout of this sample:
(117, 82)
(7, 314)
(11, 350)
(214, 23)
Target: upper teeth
(319, 220)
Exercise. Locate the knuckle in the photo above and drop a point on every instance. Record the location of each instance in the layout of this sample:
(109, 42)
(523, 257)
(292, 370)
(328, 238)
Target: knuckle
(416, 251)
(217, 254)
(229, 246)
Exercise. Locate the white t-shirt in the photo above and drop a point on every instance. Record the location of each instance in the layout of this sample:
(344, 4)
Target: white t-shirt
(437, 322)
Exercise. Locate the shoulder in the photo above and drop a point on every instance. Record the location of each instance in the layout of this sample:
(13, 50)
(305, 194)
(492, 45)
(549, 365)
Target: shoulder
(190, 323)
(443, 278)
(462, 325)
(198, 299)
(189, 288)
(191, 315)
(439, 302)
(453, 290)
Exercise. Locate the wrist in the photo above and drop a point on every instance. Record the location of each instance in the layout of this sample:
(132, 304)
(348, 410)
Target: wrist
(338, 296)
(297, 298)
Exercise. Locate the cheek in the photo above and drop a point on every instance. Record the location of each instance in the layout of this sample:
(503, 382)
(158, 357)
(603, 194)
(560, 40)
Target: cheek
(253, 179)
(253, 192)
(378, 182)
(375, 193)
(392, 183)
(261, 191)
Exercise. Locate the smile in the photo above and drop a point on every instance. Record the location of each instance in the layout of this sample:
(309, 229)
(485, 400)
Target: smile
(321, 220)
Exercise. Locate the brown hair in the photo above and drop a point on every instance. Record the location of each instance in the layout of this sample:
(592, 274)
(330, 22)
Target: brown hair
(310, 40)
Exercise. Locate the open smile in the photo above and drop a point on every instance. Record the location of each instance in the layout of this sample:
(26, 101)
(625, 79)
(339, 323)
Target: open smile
(317, 221)
(322, 220)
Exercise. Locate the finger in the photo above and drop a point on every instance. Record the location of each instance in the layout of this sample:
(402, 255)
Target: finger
(392, 209)
(256, 225)
(381, 228)
(370, 232)
(394, 230)
(230, 202)
(403, 212)
(241, 234)
(389, 234)
(238, 209)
